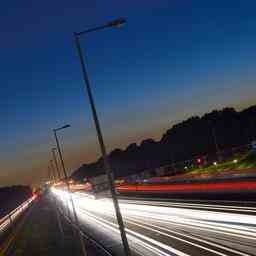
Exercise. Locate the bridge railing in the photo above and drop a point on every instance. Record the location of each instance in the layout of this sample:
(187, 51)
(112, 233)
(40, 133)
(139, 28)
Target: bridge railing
(8, 220)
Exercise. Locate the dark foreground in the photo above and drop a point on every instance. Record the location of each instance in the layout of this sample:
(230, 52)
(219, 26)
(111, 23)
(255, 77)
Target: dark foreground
(38, 234)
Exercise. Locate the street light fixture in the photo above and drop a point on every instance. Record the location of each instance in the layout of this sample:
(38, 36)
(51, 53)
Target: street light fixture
(68, 187)
(117, 22)
(62, 127)
(114, 23)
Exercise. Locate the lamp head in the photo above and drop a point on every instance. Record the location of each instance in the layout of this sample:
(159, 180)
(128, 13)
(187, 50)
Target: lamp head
(117, 23)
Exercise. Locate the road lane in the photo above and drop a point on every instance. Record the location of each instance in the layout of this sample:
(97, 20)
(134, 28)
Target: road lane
(167, 228)
(223, 206)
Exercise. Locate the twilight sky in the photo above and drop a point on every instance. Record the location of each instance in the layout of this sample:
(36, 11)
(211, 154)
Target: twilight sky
(171, 60)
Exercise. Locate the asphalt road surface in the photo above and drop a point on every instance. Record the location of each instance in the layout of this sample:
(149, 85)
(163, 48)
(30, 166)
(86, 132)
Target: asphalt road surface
(169, 227)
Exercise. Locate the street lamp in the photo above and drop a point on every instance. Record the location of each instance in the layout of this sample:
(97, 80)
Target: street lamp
(55, 162)
(53, 171)
(68, 187)
(115, 23)
(50, 175)
(59, 150)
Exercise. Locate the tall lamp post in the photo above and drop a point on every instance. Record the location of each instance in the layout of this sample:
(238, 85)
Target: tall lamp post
(68, 187)
(55, 162)
(59, 149)
(114, 23)
(53, 175)
(50, 176)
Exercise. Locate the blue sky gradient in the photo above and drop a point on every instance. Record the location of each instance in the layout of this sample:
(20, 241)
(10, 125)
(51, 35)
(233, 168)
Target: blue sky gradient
(171, 60)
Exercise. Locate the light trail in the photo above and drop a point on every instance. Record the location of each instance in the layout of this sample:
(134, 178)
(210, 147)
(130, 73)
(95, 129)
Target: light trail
(199, 187)
(229, 208)
(173, 230)
(133, 236)
(196, 239)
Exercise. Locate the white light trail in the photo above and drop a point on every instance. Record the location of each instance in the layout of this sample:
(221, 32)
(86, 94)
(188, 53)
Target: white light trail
(135, 236)
(155, 219)
(167, 231)
(193, 205)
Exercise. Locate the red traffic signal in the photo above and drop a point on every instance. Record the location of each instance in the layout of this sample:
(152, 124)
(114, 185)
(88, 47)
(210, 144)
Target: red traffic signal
(199, 160)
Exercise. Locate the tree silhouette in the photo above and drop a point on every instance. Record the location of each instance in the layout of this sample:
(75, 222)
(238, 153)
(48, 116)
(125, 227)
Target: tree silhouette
(214, 131)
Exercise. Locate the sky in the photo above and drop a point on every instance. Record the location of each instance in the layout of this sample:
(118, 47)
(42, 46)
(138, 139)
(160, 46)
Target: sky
(172, 59)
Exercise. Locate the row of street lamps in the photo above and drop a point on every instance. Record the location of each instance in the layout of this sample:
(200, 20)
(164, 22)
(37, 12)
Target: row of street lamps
(115, 23)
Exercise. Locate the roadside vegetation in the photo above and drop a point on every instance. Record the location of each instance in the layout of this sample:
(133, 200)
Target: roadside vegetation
(239, 162)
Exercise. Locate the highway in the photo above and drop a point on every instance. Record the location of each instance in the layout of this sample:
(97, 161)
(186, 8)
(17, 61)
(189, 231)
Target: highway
(169, 228)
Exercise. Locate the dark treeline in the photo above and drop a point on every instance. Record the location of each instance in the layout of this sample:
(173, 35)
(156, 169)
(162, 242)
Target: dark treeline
(11, 197)
(185, 140)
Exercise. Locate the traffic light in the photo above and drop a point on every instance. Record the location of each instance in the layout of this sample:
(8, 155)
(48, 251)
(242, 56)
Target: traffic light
(199, 160)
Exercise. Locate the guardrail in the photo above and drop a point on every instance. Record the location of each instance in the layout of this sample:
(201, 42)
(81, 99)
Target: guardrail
(7, 221)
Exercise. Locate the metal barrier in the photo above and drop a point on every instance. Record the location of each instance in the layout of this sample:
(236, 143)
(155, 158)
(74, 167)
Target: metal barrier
(7, 221)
